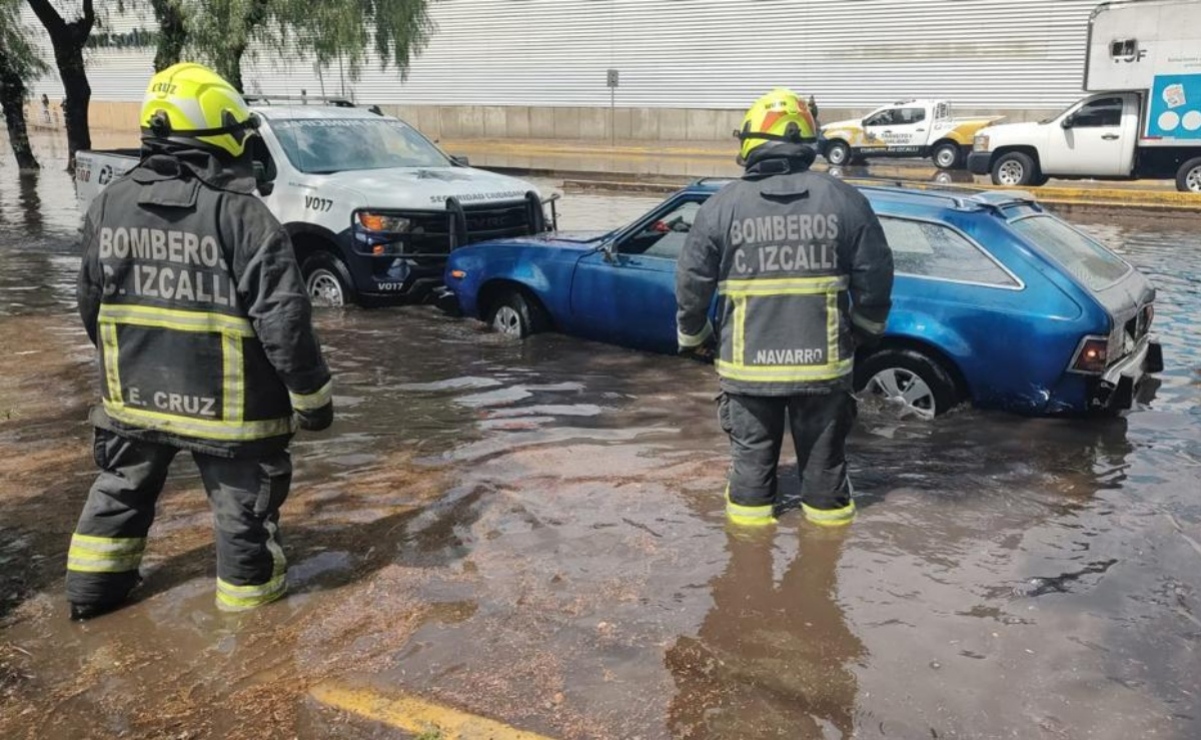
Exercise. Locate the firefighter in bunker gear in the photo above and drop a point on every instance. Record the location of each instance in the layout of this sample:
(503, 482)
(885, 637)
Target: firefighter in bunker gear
(803, 275)
(190, 290)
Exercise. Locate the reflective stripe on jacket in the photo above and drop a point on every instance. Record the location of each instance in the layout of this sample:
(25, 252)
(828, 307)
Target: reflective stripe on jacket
(796, 259)
(191, 291)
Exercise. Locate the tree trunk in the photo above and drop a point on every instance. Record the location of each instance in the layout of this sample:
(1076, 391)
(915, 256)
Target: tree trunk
(230, 67)
(69, 40)
(256, 15)
(76, 101)
(12, 101)
(172, 35)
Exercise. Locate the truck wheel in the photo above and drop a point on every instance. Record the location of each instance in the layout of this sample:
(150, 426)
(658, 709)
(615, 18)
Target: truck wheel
(1015, 168)
(515, 315)
(914, 384)
(947, 155)
(328, 281)
(1188, 179)
(838, 153)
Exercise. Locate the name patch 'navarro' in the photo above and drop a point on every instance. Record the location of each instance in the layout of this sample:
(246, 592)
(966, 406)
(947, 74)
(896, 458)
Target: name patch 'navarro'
(208, 282)
(790, 357)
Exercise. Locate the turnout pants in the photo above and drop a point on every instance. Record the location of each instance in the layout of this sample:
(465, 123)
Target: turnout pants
(819, 423)
(245, 496)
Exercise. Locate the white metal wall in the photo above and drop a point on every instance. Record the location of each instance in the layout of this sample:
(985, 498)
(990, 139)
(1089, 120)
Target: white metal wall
(1023, 54)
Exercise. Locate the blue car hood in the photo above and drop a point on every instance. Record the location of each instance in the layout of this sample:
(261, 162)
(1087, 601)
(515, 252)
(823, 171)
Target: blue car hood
(574, 240)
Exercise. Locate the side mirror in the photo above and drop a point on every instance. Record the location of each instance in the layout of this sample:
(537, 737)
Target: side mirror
(461, 161)
(609, 251)
(1068, 122)
(264, 185)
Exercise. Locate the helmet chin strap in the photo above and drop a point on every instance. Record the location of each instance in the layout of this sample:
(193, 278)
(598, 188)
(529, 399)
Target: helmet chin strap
(790, 138)
(160, 126)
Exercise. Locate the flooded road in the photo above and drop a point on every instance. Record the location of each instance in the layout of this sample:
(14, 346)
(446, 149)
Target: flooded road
(533, 532)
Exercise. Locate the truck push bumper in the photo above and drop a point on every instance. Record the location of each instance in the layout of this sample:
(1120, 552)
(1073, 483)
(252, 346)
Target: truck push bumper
(446, 300)
(979, 163)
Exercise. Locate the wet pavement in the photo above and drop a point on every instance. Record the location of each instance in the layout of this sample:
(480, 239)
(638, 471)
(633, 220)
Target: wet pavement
(533, 532)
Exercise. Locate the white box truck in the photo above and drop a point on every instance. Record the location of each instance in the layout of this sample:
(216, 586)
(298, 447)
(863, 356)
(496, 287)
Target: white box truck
(1142, 120)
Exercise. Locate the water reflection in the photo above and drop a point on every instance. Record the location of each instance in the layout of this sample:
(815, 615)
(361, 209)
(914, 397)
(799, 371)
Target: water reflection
(30, 202)
(943, 177)
(770, 660)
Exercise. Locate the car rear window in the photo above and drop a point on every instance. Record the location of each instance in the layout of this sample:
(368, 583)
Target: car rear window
(1086, 260)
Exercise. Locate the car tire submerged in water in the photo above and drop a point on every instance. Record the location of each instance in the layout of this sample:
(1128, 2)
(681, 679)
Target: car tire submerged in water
(327, 281)
(947, 155)
(917, 385)
(838, 153)
(515, 315)
(1188, 179)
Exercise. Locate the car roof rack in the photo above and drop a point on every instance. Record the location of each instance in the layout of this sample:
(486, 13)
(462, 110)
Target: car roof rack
(264, 99)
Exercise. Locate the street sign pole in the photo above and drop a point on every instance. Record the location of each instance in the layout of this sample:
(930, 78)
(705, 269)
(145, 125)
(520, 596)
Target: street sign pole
(613, 81)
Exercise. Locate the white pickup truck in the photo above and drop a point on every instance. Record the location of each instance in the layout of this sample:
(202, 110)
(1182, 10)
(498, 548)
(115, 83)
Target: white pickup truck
(372, 206)
(1144, 120)
(909, 128)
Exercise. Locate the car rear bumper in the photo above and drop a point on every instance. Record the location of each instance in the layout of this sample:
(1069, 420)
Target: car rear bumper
(1118, 387)
(979, 163)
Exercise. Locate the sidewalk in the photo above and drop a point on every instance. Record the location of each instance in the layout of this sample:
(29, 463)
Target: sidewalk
(634, 165)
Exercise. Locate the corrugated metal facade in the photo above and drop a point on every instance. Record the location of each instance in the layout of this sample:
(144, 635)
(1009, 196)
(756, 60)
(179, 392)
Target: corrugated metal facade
(1009, 54)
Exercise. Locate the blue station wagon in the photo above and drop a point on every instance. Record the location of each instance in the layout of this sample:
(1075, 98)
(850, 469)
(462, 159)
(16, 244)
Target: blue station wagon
(996, 302)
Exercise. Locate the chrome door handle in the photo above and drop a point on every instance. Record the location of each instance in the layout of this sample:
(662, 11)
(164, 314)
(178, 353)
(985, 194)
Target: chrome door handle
(1111, 137)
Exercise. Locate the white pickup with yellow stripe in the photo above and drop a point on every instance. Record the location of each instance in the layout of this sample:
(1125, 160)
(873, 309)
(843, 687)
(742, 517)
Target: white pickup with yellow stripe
(912, 128)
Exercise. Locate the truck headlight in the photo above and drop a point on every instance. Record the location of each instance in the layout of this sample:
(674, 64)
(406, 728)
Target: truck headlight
(980, 143)
(382, 222)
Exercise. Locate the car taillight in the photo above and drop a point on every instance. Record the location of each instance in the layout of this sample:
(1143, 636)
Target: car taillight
(1093, 356)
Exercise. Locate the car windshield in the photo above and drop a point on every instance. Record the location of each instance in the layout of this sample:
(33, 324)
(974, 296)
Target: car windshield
(327, 145)
(1088, 261)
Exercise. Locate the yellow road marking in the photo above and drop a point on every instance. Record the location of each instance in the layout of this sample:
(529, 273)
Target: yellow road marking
(416, 715)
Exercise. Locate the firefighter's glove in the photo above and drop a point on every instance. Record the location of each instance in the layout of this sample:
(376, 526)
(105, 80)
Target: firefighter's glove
(704, 352)
(864, 339)
(701, 347)
(316, 420)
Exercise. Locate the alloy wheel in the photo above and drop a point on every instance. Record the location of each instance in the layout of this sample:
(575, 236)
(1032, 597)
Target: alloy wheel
(1193, 180)
(905, 390)
(507, 321)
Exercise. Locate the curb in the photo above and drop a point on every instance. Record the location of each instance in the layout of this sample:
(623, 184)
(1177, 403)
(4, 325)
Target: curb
(1063, 198)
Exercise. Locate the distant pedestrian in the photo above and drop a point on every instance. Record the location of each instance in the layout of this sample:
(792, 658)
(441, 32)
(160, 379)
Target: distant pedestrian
(46, 109)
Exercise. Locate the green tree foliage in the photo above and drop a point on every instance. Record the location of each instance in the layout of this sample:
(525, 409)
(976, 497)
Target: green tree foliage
(173, 32)
(20, 65)
(219, 32)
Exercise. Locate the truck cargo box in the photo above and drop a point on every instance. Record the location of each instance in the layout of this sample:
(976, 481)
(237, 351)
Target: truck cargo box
(1151, 46)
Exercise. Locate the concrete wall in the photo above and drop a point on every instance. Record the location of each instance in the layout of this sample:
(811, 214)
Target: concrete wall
(542, 122)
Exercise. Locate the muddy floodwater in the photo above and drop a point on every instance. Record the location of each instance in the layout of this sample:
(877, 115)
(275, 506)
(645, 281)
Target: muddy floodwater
(533, 532)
